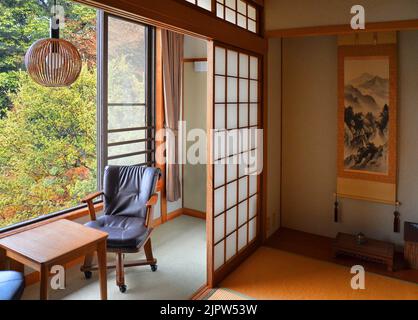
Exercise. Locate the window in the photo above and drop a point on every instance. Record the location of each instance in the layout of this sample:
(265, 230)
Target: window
(238, 12)
(205, 4)
(128, 108)
(47, 136)
(54, 143)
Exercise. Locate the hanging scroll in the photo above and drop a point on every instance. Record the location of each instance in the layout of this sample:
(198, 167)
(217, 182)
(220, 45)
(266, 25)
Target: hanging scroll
(367, 125)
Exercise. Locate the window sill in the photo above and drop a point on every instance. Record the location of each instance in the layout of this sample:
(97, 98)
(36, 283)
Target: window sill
(73, 215)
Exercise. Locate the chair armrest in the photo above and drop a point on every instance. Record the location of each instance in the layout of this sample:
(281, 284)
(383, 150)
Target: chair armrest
(150, 209)
(89, 200)
(92, 196)
(153, 200)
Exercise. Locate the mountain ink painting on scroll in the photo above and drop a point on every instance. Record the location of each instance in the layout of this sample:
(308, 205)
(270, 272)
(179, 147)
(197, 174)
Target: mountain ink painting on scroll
(367, 119)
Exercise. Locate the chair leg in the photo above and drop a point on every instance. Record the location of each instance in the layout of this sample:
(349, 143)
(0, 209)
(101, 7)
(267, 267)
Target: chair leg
(120, 272)
(88, 261)
(149, 255)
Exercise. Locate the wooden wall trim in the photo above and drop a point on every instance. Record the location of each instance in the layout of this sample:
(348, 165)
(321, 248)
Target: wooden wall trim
(195, 60)
(176, 16)
(160, 122)
(194, 213)
(343, 29)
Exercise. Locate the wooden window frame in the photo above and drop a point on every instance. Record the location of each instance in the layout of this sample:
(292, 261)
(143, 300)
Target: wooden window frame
(104, 104)
(102, 130)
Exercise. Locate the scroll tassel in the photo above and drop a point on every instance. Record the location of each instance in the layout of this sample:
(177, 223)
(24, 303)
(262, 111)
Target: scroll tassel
(336, 209)
(397, 220)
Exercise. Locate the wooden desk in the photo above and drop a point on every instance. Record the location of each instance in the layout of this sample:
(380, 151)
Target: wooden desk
(372, 250)
(55, 244)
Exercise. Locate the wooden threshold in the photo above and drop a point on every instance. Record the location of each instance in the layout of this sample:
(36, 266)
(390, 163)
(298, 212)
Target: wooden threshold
(343, 29)
(200, 293)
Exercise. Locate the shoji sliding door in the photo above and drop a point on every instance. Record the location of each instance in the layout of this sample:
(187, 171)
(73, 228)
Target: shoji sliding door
(234, 182)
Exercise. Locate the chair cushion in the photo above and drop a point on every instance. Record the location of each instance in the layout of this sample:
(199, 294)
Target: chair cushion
(128, 188)
(12, 285)
(124, 232)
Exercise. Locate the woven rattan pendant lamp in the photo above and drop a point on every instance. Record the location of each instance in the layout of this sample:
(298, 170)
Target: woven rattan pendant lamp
(53, 62)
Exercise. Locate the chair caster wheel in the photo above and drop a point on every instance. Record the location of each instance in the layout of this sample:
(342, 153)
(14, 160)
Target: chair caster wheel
(154, 267)
(88, 274)
(123, 288)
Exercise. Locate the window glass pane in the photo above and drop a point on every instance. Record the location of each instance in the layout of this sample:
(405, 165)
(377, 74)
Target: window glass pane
(47, 135)
(126, 61)
(129, 161)
(126, 136)
(122, 117)
(127, 148)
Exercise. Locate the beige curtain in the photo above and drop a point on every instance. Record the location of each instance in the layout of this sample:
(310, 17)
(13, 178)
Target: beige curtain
(172, 47)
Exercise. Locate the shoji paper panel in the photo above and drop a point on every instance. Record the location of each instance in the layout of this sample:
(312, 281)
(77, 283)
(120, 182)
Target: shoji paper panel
(235, 120)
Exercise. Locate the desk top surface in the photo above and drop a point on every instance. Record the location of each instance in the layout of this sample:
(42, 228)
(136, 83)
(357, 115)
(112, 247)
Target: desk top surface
(52, 241)
(371, 247)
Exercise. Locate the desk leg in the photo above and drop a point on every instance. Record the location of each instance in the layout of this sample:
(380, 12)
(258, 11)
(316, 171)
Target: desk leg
(101, 257)
(44, 277)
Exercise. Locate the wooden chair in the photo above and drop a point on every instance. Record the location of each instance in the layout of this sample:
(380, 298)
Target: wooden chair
(129, 200)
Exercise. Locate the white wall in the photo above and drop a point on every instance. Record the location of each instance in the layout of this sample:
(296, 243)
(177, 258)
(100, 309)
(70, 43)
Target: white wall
(282, 14)
(194, 47)
(273, 136)
(310, 142)
(195, 99)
